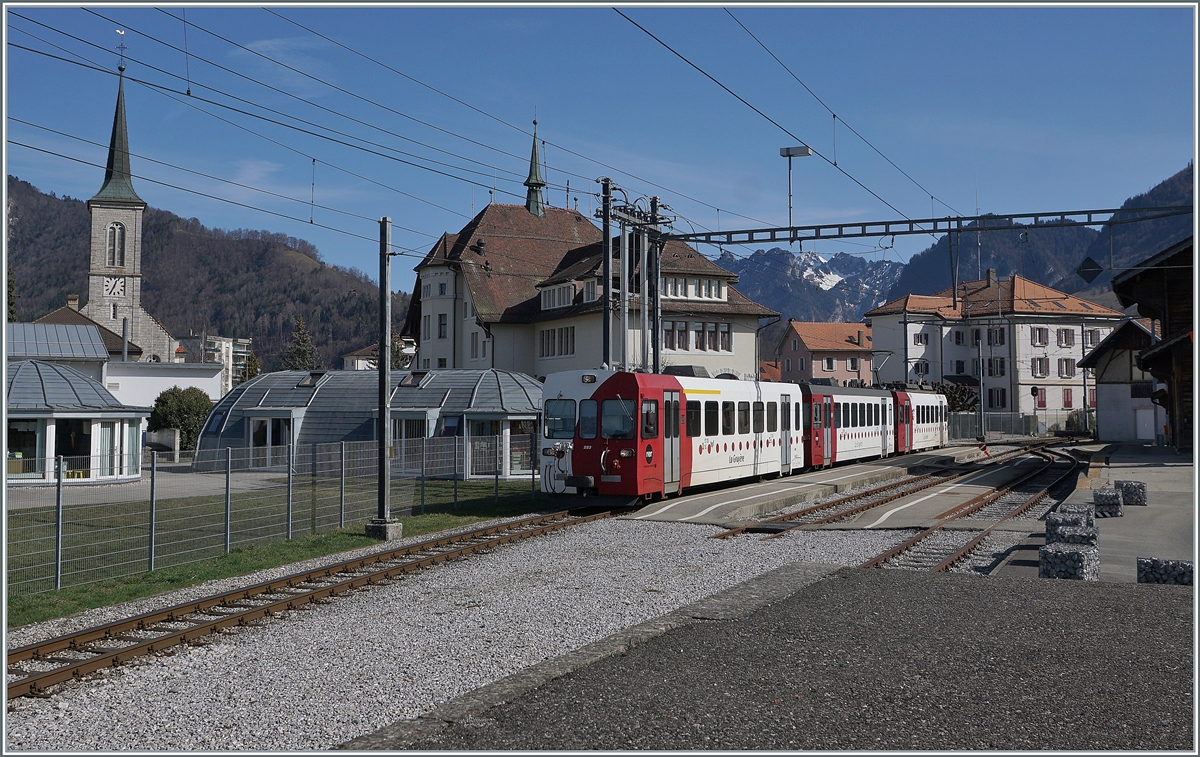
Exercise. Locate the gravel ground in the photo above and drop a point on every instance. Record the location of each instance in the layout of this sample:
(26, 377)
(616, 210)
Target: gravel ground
(316, 678)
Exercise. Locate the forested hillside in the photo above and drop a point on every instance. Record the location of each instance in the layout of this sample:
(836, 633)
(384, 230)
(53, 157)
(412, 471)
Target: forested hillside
(198, 280)
(1050, 255)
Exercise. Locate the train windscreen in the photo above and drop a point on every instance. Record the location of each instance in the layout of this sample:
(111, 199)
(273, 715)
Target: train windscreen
(617, 419)
(560, 419)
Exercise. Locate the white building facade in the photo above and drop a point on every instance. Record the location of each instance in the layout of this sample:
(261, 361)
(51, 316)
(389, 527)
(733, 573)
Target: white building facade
(1017, 342)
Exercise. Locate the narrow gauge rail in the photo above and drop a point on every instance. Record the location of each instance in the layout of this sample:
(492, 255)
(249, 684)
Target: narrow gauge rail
(937, 549)
(852, 504)
(34, 667)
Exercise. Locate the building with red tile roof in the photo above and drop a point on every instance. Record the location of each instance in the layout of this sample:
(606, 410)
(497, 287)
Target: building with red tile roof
(838, 351)
(1020, 342)
(520, 288)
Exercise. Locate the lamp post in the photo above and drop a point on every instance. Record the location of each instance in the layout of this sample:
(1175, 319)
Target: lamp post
(803, 151)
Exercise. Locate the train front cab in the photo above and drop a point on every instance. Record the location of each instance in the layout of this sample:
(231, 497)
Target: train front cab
(627, 439)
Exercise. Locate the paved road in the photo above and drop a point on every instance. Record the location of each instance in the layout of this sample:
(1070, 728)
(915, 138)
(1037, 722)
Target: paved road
(811, 658)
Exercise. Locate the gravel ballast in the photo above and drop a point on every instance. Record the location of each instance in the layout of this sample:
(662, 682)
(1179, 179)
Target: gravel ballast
(316, 678)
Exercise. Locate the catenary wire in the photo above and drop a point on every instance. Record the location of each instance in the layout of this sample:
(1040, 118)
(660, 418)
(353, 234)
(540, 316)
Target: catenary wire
(772, 121)
(848, 126)
(189, 102)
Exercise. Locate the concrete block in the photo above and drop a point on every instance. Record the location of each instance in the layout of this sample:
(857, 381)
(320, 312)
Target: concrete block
(1079, 562)
(1151, 570)
(1106, 496)
(386, 530)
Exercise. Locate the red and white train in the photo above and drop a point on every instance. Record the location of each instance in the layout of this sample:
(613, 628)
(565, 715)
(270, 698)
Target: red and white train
(654, 435)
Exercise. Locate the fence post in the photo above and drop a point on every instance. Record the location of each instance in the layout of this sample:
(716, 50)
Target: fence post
(424, 447)
(58, 523)
(312, 489)
(498, 462)
(465, 458)
(153, 501)
(228, 498)
(342, 487)
(288, 451)
(534, 461)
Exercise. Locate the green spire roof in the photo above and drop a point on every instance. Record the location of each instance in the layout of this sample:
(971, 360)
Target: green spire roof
(533, 197)
(117, 183)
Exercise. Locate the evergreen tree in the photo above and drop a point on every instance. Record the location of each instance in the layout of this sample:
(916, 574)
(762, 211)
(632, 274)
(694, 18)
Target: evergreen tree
(300, 354)
(183, 409)
(12, 296)
(251, 368)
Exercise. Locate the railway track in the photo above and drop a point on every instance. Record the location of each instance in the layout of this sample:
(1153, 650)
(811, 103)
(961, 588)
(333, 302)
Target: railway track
(837, 509)
(35, 667)
(939, 549)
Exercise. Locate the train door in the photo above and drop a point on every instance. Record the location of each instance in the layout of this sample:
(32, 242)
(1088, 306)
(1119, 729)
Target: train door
(881, 424)
(670, 442)
(903, 427)
(785, 434)
(827, 431)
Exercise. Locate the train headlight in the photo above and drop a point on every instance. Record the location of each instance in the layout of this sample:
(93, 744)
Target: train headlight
(547, 452)
(626, 453)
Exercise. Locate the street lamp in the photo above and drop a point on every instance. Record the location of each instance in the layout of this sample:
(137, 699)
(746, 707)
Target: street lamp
(803, 151)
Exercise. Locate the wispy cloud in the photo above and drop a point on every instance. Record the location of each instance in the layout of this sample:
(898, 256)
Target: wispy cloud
(300, 53)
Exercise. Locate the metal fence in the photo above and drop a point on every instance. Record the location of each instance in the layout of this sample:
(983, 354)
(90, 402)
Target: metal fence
(964, 426)
(200, 505)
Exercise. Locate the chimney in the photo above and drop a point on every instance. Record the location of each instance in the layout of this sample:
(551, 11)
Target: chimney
(73, 301)
(860, 341)
(991, 277)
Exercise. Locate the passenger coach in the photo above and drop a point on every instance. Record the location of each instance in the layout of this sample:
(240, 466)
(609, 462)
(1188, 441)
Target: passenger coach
(653, 435)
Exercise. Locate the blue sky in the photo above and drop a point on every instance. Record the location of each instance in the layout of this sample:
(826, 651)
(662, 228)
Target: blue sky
(1033, 109)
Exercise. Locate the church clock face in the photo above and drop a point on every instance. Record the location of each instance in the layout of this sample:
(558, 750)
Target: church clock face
(114, 286)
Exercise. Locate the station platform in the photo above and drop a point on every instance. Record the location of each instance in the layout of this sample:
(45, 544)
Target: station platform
(1164, 528)
(732, 506)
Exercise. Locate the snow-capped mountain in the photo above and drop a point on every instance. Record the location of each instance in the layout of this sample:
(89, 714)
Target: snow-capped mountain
(809, 287)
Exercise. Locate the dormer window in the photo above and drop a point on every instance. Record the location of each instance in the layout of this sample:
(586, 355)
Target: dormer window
(558, 297)
(311, 379)
(589, 291)
(116, 244)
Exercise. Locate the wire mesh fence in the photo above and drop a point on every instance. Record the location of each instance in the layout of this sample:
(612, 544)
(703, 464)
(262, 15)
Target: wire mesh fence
(65, 531)
(993, 426)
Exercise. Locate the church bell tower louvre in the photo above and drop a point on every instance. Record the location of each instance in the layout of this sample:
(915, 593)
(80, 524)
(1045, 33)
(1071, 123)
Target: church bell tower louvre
(115, 268)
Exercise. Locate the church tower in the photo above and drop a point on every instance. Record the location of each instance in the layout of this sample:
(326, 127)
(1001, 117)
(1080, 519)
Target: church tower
(115, 270)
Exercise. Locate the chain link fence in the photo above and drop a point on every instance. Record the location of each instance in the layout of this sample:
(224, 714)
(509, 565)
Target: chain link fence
(69, 530)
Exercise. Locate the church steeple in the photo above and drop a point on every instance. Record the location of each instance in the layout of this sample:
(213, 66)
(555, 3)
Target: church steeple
(118, 185)
(533, 196)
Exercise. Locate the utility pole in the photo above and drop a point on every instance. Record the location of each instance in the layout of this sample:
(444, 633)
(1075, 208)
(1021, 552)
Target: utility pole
(383, 526)
(656, 319)
(606, 270)
(624, 296)
(644, 296)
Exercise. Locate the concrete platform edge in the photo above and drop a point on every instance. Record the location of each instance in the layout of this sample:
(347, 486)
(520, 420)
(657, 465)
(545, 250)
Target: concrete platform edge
(735, 602)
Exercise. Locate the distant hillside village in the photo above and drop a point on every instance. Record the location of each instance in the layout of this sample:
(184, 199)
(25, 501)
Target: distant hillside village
(518, 293)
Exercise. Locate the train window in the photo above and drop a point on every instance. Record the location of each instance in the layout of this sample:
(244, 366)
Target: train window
(857, 416)
(616, 419)
(711, 419)
(816, 414)
(560, 419)
(726, 418)
(743, 417)
(801, 416)
(772, 415)
(589, 414)
(649, 419)
(758, 418)
(693, 418)
(878, 413)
